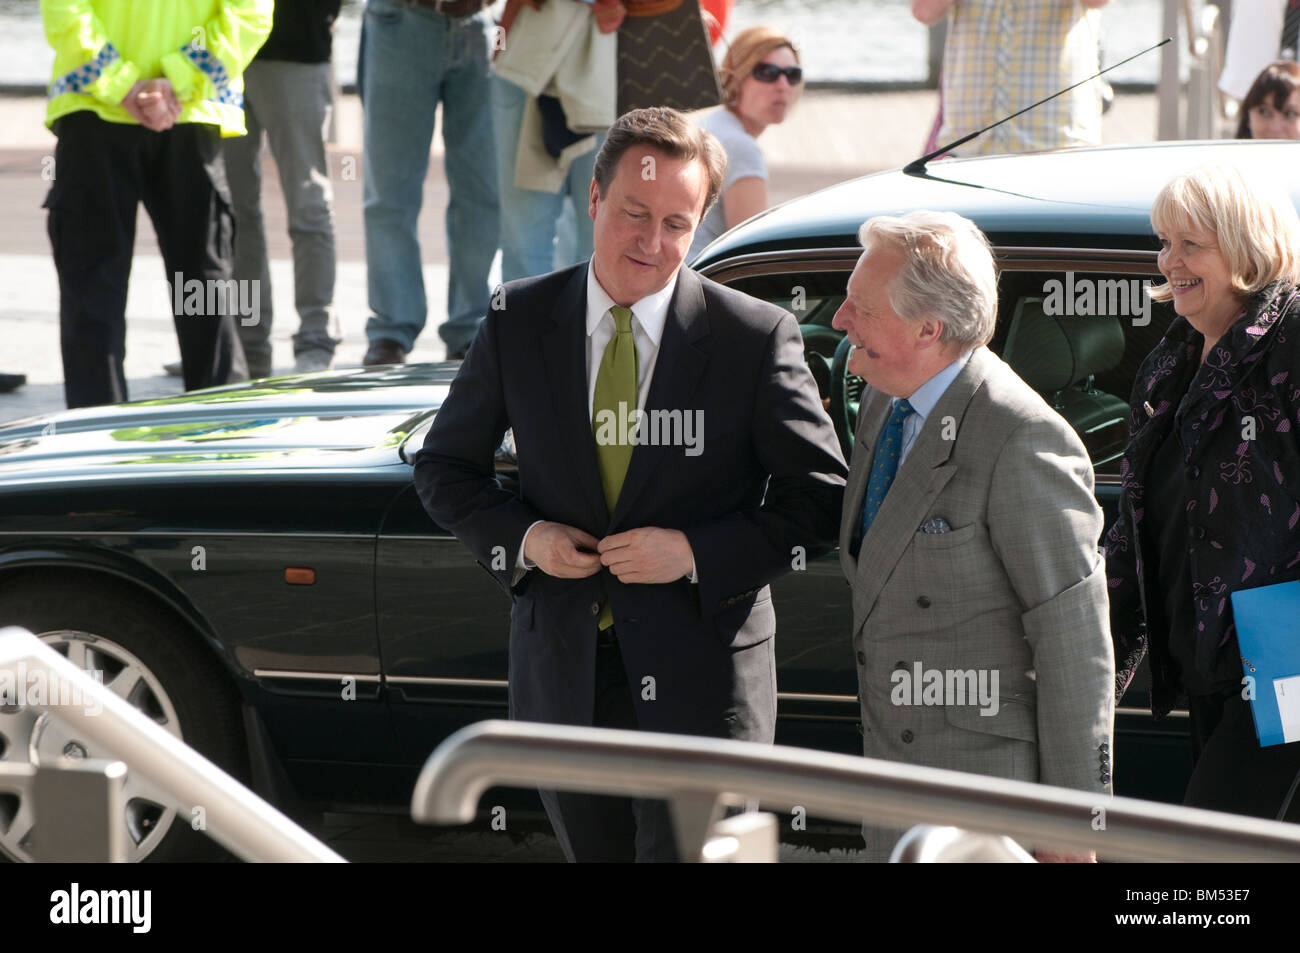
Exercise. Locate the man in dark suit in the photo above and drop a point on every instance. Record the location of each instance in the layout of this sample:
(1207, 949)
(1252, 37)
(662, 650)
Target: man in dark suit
(674, 459)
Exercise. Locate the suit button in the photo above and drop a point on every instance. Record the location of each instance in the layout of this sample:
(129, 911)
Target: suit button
(1193, 472)
(1104, 746)
(1104, 777)
(862, 658)
(1198, 532)
(907, 736)
(595, 608)
(923, 601)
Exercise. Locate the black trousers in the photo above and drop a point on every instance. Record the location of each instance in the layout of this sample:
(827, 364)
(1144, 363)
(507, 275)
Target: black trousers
(103, 170)
(1233, 773)
(594, 828)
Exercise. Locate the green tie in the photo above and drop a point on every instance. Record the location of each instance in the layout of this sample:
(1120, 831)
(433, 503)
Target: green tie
(615, 397)
(616, 391)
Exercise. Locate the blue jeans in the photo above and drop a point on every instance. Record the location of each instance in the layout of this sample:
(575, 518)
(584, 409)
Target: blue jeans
(411, 58)
(528, 217)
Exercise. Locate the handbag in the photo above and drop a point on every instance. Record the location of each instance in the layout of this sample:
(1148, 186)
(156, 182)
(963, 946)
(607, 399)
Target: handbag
(664, 57)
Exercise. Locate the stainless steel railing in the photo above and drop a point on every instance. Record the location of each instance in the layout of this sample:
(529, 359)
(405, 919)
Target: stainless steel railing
(693, 773)
(234, 816)
(1203, 33)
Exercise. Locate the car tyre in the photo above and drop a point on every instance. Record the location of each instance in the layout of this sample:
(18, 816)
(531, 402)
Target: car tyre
(174, 678)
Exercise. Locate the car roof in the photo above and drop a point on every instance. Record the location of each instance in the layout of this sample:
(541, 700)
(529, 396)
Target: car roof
(1091, 197)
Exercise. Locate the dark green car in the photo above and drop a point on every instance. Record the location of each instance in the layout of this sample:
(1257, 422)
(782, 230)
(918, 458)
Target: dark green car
(251, 567)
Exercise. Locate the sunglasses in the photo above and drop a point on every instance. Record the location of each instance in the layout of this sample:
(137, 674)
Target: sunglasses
(770, 73)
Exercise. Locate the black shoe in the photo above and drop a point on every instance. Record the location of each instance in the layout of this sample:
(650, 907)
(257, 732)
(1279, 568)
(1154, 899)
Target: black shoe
(10, 382)
(458, 354)
(383, 351)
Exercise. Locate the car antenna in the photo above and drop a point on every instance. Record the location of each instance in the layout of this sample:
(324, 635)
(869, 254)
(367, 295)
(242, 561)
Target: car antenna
(917, 166)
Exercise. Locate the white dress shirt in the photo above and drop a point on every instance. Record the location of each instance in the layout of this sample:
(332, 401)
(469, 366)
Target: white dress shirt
(649, 315)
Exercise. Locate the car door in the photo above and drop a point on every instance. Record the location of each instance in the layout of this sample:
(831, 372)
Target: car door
(443, 624)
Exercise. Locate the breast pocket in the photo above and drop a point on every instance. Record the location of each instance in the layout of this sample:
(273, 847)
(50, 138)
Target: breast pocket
(959, 569)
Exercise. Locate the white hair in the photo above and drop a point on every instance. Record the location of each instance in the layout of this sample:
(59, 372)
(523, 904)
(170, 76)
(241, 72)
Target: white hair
(948, 273)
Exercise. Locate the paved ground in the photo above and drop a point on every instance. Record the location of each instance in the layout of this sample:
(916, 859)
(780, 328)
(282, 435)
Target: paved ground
(832, 136)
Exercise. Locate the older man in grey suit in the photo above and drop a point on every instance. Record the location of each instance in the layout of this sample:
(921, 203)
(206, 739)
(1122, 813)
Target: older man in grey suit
(969, 532)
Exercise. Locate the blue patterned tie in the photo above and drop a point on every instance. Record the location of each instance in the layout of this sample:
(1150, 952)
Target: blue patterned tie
(885, 464)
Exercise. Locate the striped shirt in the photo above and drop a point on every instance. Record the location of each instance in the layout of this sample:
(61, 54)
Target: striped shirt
(1002, 55)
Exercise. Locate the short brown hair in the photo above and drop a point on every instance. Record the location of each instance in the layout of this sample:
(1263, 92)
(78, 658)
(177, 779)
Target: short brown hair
(745, 52)
(1273, 86)
(669, 132)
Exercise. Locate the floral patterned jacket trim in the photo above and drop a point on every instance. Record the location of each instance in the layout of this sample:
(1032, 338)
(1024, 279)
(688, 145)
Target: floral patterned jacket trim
(1238, 421)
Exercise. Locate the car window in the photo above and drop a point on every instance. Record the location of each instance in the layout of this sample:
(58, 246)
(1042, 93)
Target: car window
(1076, 336)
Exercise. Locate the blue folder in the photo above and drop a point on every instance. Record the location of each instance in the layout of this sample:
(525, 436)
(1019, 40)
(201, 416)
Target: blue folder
(1268, 633)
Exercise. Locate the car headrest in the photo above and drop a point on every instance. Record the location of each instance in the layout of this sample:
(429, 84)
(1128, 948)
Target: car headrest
(1052, 352)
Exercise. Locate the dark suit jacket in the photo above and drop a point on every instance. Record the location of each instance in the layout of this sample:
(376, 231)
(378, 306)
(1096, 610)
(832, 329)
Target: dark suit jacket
(1237, 417)
(770, 478)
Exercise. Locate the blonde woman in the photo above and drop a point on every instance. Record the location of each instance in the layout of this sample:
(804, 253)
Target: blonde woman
(1211, 500)
(761, 79)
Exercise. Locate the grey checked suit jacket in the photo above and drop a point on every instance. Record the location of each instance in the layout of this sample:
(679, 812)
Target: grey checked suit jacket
(1017, 587)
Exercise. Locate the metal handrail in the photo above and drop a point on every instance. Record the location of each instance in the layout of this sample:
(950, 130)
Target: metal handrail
(235, 817)
(1204, 48)
(689, 769)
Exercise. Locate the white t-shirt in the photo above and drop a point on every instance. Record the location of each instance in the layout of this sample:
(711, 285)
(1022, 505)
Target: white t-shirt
(744, 161)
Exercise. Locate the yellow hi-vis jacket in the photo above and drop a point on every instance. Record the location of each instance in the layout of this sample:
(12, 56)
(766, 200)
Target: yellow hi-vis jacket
(103, 47)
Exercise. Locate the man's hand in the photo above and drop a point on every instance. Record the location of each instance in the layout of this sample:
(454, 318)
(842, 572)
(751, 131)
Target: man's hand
(648, 555)
(931, 12)
(153, 104)
(1047, 857)
(565, 552)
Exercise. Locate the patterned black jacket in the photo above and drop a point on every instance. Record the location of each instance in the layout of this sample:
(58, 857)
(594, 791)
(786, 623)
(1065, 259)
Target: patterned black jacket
(1238, 420)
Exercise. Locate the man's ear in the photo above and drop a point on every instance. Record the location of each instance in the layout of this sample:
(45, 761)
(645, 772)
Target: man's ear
(928, 332)
(594, 195)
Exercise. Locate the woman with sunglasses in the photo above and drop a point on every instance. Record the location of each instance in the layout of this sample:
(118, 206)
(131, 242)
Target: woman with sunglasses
(761, 79)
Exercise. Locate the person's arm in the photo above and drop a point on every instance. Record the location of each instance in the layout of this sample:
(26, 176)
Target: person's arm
(744, 199)
(206, 66)
(78, 37)
(796, 445)
(456, 480)
(931, 12)
(1044, 523)
(1127, 625)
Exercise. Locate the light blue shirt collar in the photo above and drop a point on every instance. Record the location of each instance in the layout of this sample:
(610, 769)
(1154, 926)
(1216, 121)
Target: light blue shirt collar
(923, 401)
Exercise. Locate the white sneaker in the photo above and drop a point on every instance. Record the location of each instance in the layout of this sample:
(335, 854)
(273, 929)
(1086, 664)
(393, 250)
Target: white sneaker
(314, 360)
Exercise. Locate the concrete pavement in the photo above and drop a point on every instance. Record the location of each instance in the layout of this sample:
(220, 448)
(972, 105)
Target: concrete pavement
(830, 136)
